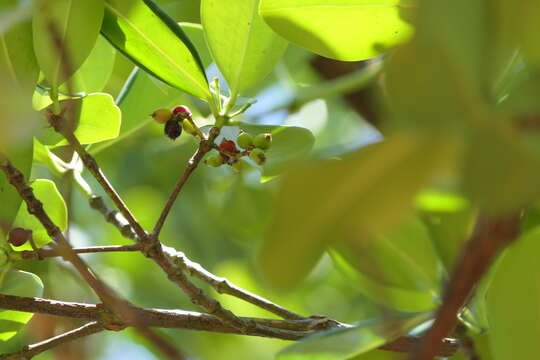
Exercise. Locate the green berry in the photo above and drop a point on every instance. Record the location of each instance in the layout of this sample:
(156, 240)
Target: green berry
(162, 115)
(263, 141)
(237, 165)
(258, 156)
(214, 160)
(244, 140)
(188, 127)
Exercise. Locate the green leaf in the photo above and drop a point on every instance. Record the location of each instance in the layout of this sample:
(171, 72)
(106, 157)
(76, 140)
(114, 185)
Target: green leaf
(347, 30)
(76, 25)
(243, 46)
(17, 54)
(453, 89)
(512, 301)
(450, 220)
(393, 297)
(156, 43)
(290, 145)
(195, 33)
(343, 343)
(21, 157)
(18, 283)
(371, 189)
(500, 173)
(97, 119)
(381, 355)
(398, 268)
(94, 73)
(137, 101)
(54, 205)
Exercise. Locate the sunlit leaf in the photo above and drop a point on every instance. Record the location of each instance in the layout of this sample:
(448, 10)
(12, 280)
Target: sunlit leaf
(94, 73)
(155, 42)
(75, 24)
(97, 119)
(341, 344)
(54, 205)
(344, 29)
(19, 283)
(243, 46)
(512, 301)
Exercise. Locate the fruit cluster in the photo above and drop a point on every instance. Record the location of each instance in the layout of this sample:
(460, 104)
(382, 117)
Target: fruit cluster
(229, 154)
(172, 120)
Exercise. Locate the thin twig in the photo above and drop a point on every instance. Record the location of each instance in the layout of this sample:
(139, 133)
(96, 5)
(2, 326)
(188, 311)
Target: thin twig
(179, 319)
(491, 236)
(35, 349)
(47, 253)
(204, 147)
(221, 285)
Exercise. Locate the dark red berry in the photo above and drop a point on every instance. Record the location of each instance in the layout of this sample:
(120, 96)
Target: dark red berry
(182, 111)
(173, 129)
(228, 146)
(19, 236)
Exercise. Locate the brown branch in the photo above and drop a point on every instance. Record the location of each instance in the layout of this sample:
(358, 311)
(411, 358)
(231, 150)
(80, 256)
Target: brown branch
(188, 320)
(491, 236)
(35, 349)
(91, 164)
(223, 286)
(47, 253)
(204, 147)
(35, 207)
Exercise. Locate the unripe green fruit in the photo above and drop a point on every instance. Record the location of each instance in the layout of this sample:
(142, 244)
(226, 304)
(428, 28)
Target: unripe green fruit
(237, 165)
(263, 141)
(244, 140)
(214, 160)
(162, 115)
(258, 156)
(188, 127)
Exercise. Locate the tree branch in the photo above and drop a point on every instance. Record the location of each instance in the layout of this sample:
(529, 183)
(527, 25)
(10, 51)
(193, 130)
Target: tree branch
(47, 253)
(179, 319)
(35, 349)
(35, 207)
(491, 236)
(204, 147)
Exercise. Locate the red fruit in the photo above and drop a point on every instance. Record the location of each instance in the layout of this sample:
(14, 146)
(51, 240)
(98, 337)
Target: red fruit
(19, 236)
(182, 110)
(228, 146)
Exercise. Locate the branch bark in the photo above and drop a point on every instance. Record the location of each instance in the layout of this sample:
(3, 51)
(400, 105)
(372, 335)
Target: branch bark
(491, 236)
(35, 349)
(188, 320)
